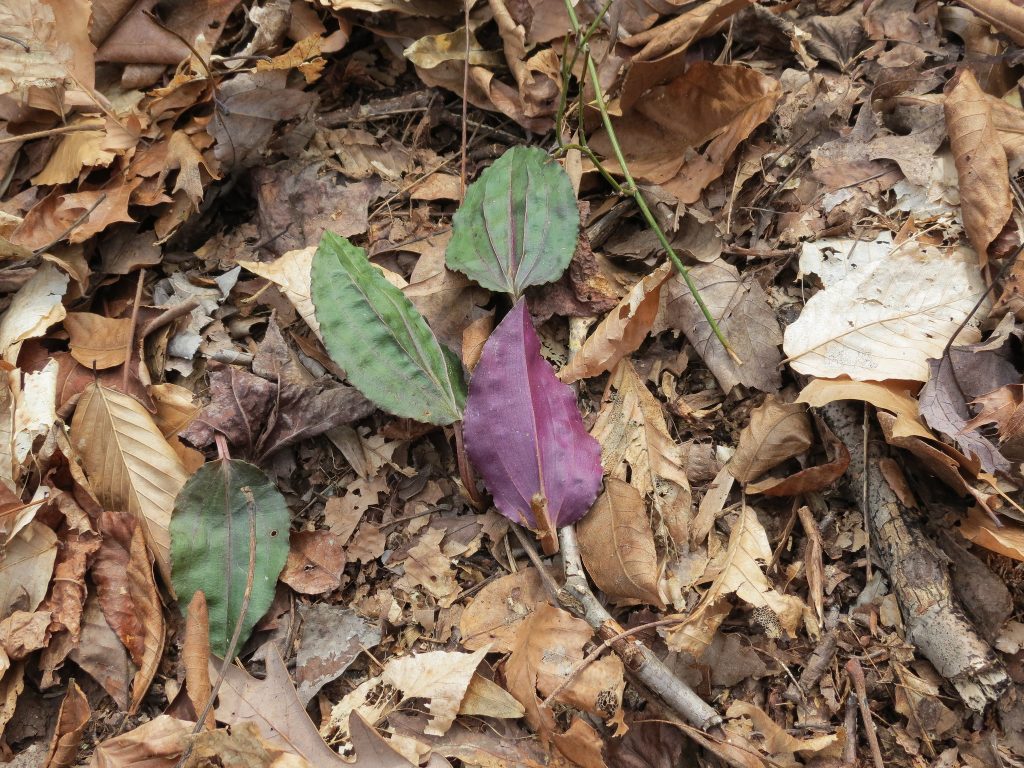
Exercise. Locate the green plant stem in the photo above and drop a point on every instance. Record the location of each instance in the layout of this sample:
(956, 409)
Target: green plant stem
(630, 186)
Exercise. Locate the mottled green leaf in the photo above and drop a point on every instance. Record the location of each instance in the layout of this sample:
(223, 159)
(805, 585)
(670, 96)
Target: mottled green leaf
(220, 509)
(518, 224)
(385, 346)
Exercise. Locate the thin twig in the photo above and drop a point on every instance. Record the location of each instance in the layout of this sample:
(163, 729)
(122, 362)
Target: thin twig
(465, 100)
(74, 128)
(131, 330)
(43, 249)
(169, 315)
(856, 673)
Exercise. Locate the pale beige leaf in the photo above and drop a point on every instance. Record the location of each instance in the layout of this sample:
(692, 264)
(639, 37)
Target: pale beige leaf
(776, 432)
(176, 408)
(78, 150)
(34, 410)
(129, 463)
(1006, 538)
(885, 395)
(156, 743)
(7, 395)
(497, 611)
(621, 331)
(635, 443)
(981, 164)
(777, 741)
(43, 60)
(291, 273)
(618, 547)
(26, 568)
(740, 572)
(884, 319)
(97, 341)
(35, 307)
(440, 677)
(486, 698)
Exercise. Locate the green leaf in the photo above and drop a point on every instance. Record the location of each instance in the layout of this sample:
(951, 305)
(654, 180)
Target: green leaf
(375, 333)
(219, 509)
(518, 224)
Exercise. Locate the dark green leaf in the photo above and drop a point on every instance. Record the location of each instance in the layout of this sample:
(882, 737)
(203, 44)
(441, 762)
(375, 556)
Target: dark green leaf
(518, 224)
(375, 333)
(219, 509)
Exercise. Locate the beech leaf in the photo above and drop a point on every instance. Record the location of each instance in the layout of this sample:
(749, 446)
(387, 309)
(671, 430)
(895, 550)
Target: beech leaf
(224, 504)
(518, 224)
(525, 434)
(375, 333)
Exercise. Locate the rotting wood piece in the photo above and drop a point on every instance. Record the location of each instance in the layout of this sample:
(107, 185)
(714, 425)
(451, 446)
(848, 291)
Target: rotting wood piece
(934, 621)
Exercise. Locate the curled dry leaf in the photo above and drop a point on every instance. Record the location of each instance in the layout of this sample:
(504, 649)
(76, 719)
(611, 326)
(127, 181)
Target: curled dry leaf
(195, 657)
(740, 573)
(776, 432)
(981, 163)
(622, 331)
(158, 742)
(779, 742)
(636, 444)
(618, 547)
(129, 463)
(1001, 14)
(71, 721)
(1006, 538)
(486, 698)
(816, 478)
(525, 434)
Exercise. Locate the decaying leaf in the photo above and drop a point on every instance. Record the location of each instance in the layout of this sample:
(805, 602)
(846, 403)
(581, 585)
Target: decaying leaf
(776, 432)
(441, 677)
(497, 611)
(34, 308)
(71, 721)
(622, 330)
(636, 444)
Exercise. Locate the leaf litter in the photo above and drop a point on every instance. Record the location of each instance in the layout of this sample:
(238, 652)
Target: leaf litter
(266, 237)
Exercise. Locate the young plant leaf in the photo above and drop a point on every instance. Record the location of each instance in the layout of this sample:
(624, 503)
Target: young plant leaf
(526, 436)
(375, 333)
(226, 507)
(518, 224)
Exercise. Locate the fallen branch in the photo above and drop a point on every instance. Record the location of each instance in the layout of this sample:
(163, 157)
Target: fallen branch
(935, 624)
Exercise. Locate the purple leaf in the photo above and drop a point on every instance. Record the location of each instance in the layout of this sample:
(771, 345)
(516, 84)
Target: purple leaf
(525, 435)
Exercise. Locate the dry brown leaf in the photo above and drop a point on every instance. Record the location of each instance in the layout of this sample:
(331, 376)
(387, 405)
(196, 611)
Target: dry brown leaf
(176, 408)
(195, 657)
(101, 655)
(777, 741)
(497, 611)
(622, 330)
(1006, 538)
(740, 572)
(315, 562)
(740, 307)
(486, 698)
(430, 569)
(547, 647)
(156, 744)
(26, 568)
(981, 163)
(129, 464)
(35, 307)
(811, 479)
(96, 341)
(440, 677)
(581, 744)
(78, 150)
(635, 443)
(1001, 14)
(776, 432)
(889, 396)
(67, 736)
(723, 105)
(291, 273)
(274, 707)
(618, 547)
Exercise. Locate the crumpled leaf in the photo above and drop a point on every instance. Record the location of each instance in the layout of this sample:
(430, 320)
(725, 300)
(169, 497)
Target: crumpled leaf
(35, 307)
(887, 315)
(158, 743)
(621, 331)
(525, 434)
(315, 562)
(636, 445)
(441, 677)
(779, 742)
(1007, 538)
(291, 273)
(497, 610)
(228, 514)
(129, 463)
(518, 225)
(375, 333)
(723, 105)
(739, 572)
(740, 307)
(776, 432)
(26, 568)
(331, 638)
(96, 341)
(618, 547)
(67, 736)
(981, 163)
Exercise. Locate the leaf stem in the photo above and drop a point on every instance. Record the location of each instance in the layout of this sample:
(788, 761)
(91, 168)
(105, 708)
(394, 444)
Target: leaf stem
(630, 188)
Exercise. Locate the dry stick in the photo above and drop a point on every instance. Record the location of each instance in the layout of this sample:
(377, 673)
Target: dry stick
(52, 132)
(465, 97)
(131, 330)
(631, 187)
(169, 315)
(250, 577)
(856, 673)
(850, 723)
(935, 623)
